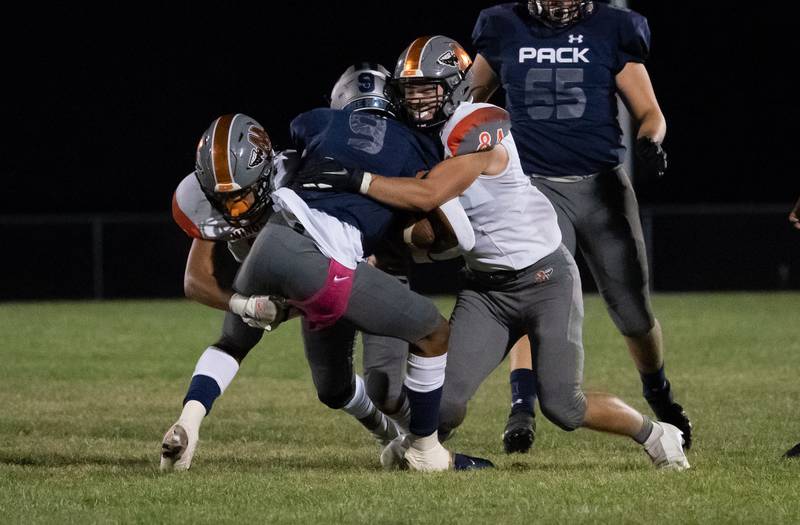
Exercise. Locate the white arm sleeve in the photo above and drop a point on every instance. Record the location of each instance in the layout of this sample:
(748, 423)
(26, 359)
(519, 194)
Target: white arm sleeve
(459, 221)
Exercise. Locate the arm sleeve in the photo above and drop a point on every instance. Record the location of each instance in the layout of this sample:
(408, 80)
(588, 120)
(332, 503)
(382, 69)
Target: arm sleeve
(485, 41)
(634, 40)
(459, 222)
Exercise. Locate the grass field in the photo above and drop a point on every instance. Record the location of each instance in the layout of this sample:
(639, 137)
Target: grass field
(88, 389)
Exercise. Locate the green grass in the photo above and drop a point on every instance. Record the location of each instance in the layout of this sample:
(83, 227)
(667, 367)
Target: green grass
(88, 389)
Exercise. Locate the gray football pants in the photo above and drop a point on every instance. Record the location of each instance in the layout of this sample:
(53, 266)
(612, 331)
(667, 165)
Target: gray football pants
(493, 311)
(600, 215)
(287, 263)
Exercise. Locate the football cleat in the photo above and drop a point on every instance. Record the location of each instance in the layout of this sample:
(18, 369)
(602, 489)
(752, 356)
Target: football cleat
(668, 411)
(385, 432)
(464, 462)
(393, 454)
(519, 433)
(426, 454)
(665, 447)
(793, 452)
(177, 448)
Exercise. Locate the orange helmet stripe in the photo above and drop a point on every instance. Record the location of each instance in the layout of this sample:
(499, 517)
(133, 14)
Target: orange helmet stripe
(220, 150)
(464, 61)
(414, 57)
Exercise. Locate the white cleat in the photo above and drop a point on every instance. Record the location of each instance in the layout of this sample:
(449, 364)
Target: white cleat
(177, 448)
(393, 454)
(426, 454)
(665, 447)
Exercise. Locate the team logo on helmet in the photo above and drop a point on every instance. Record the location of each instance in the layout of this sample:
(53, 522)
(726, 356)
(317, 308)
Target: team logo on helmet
(261, 146)
(448, 58)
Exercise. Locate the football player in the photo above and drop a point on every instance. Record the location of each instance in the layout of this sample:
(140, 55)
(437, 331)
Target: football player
(561, 63)
(226, 200)
(521, 279)
(312, 253)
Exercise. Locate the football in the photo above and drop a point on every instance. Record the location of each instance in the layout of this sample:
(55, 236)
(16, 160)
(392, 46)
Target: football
(430, 231)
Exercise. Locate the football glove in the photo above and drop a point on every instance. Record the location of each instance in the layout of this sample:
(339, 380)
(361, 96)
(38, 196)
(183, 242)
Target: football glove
(327, 174)
(260, 311)
(652, 158)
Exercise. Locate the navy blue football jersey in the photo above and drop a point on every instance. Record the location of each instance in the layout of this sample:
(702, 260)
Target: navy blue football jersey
(560, 84)
(367, 141)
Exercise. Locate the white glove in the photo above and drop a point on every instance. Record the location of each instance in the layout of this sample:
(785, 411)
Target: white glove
(259, 311)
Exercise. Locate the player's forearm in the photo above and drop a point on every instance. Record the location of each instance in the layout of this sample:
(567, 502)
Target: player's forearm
(653, 125)
(205, 290)
(405, 194)
(445, 181)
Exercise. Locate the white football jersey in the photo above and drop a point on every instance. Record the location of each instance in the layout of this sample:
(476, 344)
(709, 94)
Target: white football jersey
(200, 220)
(515, 225)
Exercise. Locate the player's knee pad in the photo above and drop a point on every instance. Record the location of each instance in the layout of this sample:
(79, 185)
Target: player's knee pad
(451, 415)
(336, 397)
(632, 322)
(631, 314)
(566, 409)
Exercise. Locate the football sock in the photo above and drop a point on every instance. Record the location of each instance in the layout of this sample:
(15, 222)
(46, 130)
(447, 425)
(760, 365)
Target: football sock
(654, 383)
(213, 373)
(359, 405)
(423, 387)
(402, 418)
(523, 390)
(645, 431)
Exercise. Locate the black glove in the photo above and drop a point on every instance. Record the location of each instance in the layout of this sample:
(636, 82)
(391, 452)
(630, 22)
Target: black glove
(327, 174)
(652, 158)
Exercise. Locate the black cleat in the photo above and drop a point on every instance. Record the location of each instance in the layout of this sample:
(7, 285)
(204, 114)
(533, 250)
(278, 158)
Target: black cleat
(519, 433)
(669, 411)
(793, 452)
(464, 462)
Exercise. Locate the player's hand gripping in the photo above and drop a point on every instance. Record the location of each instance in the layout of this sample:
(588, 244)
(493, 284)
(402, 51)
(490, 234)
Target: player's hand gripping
(327, 174)
(652, 158)
(260, 311)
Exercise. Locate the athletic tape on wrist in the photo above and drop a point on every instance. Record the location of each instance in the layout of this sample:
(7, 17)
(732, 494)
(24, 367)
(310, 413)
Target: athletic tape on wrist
(366, 180)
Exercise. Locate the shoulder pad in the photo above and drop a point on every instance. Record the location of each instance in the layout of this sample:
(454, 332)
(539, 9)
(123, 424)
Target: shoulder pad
(474, 127)
(184, 204)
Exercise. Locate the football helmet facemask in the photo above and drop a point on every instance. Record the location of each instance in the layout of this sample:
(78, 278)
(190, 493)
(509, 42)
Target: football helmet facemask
(559, 14)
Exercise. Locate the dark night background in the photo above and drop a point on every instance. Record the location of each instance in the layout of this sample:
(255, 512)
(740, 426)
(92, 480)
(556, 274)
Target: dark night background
(103, 109)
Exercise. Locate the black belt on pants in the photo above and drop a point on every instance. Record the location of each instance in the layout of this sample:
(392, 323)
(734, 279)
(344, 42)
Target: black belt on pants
(496, 277)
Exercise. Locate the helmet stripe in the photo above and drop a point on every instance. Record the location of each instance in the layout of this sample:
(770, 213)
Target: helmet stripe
(414, 57)
(220, 149)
